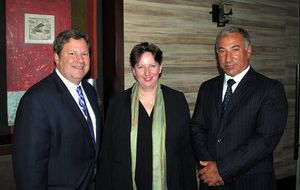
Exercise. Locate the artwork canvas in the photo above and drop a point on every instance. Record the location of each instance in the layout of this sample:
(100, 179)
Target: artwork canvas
(39, 29)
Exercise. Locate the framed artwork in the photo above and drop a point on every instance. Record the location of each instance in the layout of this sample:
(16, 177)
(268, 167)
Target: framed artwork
(39, 29)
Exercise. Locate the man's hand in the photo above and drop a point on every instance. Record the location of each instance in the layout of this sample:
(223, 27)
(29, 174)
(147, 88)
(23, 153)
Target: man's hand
(209, 174)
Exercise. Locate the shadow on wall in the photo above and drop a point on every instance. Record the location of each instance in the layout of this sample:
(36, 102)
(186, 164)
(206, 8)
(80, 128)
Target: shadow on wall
(6, 173)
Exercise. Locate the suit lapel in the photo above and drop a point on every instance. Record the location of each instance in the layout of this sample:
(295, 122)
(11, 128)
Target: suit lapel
(94, 104)
(72, 104)
(217, 94)
(244, 88)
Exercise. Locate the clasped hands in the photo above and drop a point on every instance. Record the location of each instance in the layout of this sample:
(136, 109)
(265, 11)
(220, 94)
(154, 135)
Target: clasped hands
(209, 173)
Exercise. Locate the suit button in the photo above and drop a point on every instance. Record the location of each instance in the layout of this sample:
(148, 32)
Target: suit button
(219, 140)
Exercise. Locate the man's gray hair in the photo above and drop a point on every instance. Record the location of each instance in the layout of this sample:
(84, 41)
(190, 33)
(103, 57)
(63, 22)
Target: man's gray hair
(233, 29)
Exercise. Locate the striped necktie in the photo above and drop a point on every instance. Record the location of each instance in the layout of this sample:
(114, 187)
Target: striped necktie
(228, 94)
(84, 109)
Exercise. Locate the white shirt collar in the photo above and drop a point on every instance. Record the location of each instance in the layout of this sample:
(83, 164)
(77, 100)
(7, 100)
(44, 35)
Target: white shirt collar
(71, 86)
(237, 78)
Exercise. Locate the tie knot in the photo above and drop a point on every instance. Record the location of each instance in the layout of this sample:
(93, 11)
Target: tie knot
(230, 82)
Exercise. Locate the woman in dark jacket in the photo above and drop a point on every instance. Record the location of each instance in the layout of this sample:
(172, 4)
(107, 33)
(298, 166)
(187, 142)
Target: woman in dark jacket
(146, 141)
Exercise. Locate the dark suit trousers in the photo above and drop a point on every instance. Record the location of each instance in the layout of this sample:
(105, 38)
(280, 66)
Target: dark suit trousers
(92, 186)
(248, 182)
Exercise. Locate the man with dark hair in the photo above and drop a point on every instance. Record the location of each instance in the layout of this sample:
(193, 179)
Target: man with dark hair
(238, 120)
(58, 123)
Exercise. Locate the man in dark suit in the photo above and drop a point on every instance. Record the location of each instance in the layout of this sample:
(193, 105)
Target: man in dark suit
(236, 125)
(58, 124)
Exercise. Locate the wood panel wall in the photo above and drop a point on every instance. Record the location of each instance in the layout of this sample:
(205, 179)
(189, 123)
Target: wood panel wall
(184, 31)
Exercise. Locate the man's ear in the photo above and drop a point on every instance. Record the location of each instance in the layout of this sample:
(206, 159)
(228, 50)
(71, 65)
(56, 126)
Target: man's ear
(56, 58)
(249, 51)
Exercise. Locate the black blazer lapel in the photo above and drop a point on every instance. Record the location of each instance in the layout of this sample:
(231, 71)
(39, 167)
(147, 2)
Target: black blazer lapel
(71, 104)
(245, 87)
(95, 106)
(217, 94)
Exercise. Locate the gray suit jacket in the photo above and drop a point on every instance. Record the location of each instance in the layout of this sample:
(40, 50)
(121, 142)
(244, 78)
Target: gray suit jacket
(241, 141)
(52, 146)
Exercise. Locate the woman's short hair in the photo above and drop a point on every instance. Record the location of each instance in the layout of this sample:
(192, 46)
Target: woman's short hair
(138, 50)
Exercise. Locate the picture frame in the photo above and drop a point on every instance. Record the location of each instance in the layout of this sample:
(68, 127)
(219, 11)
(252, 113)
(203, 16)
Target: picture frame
(39, 29)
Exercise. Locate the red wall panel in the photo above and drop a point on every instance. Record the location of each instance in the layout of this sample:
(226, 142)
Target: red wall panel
(29, 63)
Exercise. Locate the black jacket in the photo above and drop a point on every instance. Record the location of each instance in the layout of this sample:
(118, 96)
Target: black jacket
(116, 158)
(52, 146)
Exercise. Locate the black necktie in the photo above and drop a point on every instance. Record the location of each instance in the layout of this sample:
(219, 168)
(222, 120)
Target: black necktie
(228, 94)
(83, 107)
